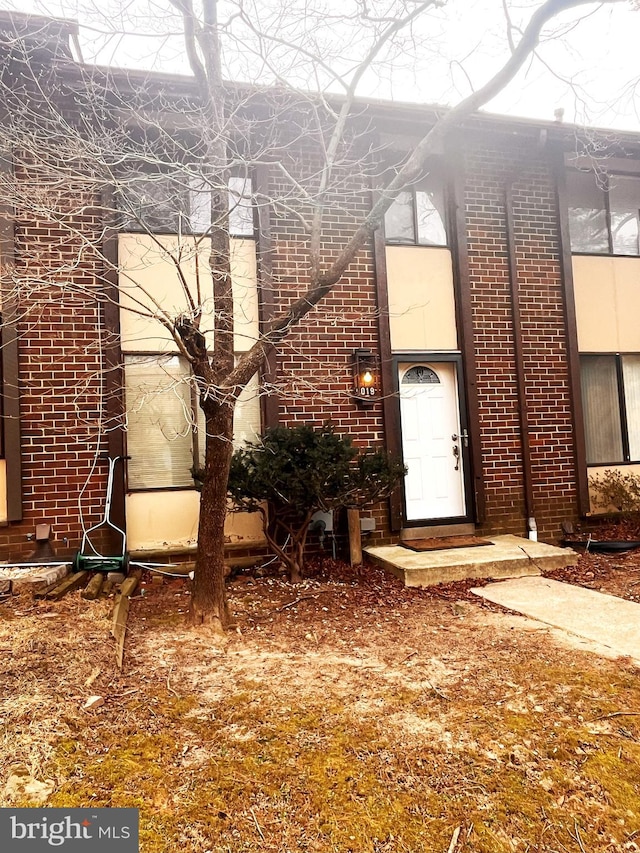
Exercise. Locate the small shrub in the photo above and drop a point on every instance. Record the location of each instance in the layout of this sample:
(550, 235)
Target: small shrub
(613, 488)
(292, 473)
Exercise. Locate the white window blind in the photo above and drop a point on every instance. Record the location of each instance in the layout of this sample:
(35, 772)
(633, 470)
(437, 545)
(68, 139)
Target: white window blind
(600, 399)
(163, 421)
(246, 419)
(159, 422)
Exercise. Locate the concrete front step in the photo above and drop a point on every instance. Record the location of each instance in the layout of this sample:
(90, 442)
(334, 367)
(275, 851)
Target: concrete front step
(506, 557)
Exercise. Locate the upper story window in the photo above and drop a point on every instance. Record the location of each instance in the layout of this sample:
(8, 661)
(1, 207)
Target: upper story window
(417, 216)
(179, 203)
(604, 213)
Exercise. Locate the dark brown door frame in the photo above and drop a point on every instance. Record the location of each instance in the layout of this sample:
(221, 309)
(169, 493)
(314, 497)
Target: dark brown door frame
(464, 321)
(558, 170)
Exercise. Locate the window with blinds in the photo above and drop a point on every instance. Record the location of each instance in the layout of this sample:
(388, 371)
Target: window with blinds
(165, 427)
(611, 405)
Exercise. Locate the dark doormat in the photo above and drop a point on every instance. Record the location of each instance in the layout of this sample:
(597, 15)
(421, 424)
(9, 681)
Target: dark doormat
(442, 543)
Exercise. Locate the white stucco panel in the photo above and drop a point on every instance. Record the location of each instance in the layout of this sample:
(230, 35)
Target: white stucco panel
(421, 298)
(160, 275)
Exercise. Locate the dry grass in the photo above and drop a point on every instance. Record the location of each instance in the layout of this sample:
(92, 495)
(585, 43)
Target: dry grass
(362, 718)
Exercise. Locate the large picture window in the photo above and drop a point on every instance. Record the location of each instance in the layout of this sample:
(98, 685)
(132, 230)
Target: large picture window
(611, 403)
(165, 426)
(604, 213)
(418, 216)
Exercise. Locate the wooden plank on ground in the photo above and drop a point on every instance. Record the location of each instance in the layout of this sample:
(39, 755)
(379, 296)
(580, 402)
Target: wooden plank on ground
(128, 586)
(70, 583)
(119, 628)
(94, 587)
(120, 613)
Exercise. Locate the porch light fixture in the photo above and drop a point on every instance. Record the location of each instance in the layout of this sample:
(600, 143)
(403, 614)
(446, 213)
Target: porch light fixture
(366, 377)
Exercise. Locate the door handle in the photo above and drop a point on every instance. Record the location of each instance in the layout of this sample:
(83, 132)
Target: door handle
(464, 435)
(456, 456)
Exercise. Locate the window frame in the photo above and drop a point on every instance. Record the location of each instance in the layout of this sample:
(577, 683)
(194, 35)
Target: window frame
(413, 190)
(605, 189)
(156, 357)
(622, 407)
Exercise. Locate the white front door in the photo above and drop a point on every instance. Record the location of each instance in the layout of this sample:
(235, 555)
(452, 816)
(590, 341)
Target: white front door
(431, 443)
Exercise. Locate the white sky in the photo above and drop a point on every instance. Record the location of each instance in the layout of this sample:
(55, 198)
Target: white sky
(588, 67)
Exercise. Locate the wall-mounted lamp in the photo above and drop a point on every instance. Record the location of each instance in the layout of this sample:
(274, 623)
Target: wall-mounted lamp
(366, 377)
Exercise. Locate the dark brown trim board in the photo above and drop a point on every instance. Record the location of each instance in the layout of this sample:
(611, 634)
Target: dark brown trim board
(464, 319)
(114, 373)
(390, 408)
(558, 169)
(10, 376)
(270, 403)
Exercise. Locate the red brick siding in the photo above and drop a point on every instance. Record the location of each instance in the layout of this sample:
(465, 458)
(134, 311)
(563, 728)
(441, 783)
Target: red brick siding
(315, 361)
(489, 166)
(61, 358)
(60, 370)
(314, 365)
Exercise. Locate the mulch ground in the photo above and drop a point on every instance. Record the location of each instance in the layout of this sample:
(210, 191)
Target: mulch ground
(346, 714)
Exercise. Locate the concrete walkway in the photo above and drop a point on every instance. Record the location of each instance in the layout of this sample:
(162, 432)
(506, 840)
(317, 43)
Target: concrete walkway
(610, 622)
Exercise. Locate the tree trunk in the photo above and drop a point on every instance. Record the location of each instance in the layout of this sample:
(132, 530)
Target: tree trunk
(209, 599)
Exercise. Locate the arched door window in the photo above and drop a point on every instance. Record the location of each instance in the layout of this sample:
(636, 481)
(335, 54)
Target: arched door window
(420, 375)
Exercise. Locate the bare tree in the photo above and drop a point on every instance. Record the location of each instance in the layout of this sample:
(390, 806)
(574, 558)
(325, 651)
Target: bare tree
(102, 131)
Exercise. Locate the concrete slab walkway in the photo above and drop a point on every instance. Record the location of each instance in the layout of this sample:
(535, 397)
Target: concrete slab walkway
(506, 557)
(610, 622)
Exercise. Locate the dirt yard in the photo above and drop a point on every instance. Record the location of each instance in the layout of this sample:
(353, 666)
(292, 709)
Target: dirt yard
(346, 714)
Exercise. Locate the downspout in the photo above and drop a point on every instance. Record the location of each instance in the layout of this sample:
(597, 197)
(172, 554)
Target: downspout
(516, 323)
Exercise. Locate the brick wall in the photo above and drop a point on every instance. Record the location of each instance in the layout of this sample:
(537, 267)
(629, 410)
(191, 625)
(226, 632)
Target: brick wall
(489, 165)
(315, 368)
(60, 363)
(61, 357)
(315, 377)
